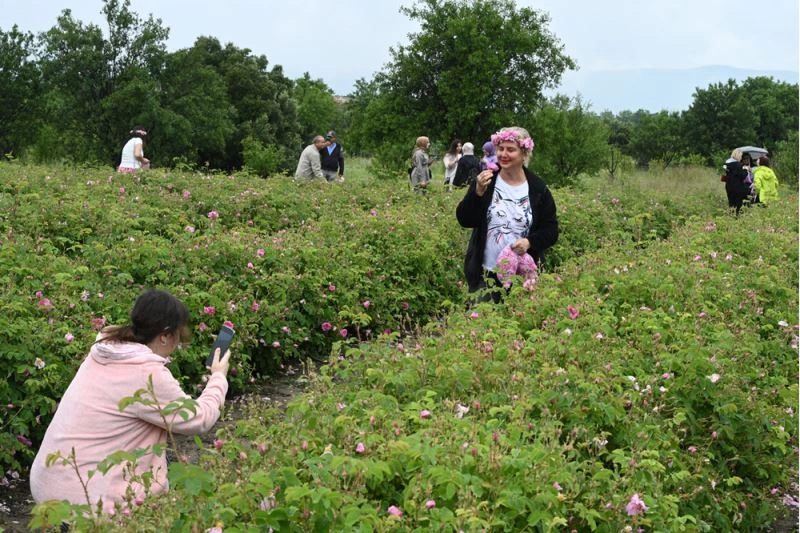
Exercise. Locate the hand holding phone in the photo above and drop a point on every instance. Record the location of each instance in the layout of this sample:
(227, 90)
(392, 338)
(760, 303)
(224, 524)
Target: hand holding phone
(223, 341)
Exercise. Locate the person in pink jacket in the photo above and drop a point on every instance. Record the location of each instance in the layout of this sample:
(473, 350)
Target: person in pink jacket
(88, 418)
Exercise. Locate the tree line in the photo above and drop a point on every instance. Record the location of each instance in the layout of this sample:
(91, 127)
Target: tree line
(73, 92)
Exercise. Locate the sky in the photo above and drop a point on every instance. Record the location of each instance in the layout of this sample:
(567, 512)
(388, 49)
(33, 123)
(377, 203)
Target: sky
(344, 40)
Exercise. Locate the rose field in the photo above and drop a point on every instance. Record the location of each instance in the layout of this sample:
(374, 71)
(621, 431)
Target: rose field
(648, 381)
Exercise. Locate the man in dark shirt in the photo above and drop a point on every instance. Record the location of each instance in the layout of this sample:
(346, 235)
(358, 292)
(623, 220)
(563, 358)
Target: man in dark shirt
(332, 158)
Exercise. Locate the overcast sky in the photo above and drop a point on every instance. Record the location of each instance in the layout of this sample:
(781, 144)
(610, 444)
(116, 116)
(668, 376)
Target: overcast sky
(343, 40)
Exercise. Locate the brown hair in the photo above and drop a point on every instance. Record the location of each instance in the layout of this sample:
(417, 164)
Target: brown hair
(763, 161)
(154, 313)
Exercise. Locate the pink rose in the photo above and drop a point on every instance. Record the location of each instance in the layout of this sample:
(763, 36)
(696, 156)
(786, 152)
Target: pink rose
(209, 310)
(260, 252)
(635, 506)
(69, 337)
(255, 306)
(366, 304)
(360, 448)
(202, 326)
(326, 326)
(187, 195)
(213, 215)
(394, 511)
(573, 312)
(228, 324)
(430, 504)
(343, 332)
(424, 414)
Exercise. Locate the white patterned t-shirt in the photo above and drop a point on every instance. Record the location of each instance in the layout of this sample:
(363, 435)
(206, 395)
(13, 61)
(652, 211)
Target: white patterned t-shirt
(509, 217)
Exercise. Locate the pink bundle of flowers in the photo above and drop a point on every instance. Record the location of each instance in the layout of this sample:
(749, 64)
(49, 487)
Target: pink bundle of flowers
(510, 135)
(509, 263)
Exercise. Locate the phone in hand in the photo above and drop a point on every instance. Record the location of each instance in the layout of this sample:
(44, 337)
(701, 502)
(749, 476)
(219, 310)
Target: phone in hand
(223, 342)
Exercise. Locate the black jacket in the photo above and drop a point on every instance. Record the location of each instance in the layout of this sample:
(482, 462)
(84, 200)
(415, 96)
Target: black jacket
(333, 161)
(471, 213)
(736, 174)
(468, 167)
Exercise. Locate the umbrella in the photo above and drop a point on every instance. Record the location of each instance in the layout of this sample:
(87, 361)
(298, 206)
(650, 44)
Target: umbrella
(754, 151)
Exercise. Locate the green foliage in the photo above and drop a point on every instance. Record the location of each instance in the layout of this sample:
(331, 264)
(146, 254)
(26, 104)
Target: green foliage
(786, 159)
(657, 136)
(316, 110)
(426, 89)
(662, 371)
(570, 141)
(263, 160)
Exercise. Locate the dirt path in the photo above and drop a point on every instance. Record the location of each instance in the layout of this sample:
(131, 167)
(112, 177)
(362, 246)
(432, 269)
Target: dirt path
(16, 502)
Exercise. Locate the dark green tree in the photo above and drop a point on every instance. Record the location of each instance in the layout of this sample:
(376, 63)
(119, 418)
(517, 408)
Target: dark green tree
(658, 136)
(570, 140)
(473, 67)
(19, 86)
(719, 120)
(316, 109)
(775, 105)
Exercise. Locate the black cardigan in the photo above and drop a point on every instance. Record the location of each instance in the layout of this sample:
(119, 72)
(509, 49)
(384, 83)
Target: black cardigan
(472, 211)
(334, 160)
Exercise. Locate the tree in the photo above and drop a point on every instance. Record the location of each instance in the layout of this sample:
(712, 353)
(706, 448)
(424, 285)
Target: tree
(719, 120)
(473, 67)
(19, 85)
(262, 102)
(316, 109)
(569, 139)
(658, 136)
(775, 105)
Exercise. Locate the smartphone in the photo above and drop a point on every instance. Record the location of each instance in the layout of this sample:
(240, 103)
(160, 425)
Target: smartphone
(223, 342)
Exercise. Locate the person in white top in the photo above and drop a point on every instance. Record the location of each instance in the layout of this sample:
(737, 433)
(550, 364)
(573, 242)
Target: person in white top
(450, 161)
(133, 157)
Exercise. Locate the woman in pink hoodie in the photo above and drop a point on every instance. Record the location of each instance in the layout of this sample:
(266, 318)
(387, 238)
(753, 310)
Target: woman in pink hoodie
(88, 419)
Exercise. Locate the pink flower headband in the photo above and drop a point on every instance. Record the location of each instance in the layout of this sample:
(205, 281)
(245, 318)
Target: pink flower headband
(512, 136)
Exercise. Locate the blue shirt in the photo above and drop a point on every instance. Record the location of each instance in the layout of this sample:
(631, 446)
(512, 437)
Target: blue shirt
(331, 148)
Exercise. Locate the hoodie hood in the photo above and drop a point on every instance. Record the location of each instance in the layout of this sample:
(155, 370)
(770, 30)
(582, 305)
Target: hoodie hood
(123, 352)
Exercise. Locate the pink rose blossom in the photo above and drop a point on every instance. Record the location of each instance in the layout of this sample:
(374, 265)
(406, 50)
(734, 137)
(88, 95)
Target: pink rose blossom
(373, 212)
(189, 229)
(692, 449)
(69, 337)
(38, 294)
(332, 287)
(366, 304)
(45, 304)
(187, 195)
(260, 252)
(430, 504)
(424, 414)
(326, 326)
(360, 448)
(276, 344)
(573, 312)
(213, 215)
(474, 315)
(255, 306)
(98, 323)
(219, 443)
(393, 510)
(228, 324)
(202, 326)
(666, 375)
(250, 265)
(343, 332)
(713, 378)
(139, 500)
(635, 506)
(209, 310)
(714, 435)
(286, 330)
(557, 486)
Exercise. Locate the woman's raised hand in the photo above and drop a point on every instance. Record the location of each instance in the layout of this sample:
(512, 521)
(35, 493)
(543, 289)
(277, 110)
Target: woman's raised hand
(220, 365)
(482, 182)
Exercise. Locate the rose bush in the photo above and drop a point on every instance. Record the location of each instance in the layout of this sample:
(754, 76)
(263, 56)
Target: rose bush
(546, 412)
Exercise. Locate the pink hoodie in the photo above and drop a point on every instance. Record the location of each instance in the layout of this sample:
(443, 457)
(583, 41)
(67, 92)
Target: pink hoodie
(88, 418)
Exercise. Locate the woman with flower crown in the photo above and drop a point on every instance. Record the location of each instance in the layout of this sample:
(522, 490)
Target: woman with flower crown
(506, 207)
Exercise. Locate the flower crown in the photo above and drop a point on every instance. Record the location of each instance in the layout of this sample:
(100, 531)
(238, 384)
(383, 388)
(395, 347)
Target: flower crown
(510, 135)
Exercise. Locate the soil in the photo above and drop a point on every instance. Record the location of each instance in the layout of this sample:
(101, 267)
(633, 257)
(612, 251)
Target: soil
(16, 501)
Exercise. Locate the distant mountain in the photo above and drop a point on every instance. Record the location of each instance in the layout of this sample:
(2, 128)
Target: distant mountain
(654, 89)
